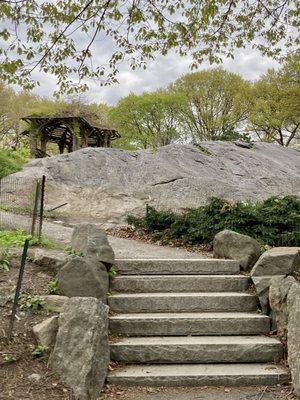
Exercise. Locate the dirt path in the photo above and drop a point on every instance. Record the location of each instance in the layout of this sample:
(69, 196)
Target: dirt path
(123, 248)
(201, 393)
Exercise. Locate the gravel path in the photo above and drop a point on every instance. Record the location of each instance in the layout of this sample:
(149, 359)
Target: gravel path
(123, 248)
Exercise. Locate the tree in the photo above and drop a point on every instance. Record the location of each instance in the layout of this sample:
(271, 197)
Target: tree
(275, 114)
(65, 38)
(148, 120)
(13, 106)
(217, 103)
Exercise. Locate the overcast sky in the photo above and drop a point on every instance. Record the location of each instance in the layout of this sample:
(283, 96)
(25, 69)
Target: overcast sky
(160, 72)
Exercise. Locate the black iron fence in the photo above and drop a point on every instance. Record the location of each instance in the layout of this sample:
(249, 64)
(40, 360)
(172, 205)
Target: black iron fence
(22, 204)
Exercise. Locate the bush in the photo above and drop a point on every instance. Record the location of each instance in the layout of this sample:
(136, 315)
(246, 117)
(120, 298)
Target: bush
(275, 221)
(11, 161)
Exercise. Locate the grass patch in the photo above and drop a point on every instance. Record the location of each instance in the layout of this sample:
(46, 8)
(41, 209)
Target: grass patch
(12, 161)
(275, 221)
(10, 239)
(17, 209)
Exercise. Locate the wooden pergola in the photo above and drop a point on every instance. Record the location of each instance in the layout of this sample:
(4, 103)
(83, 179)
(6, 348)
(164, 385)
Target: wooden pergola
(68, 132)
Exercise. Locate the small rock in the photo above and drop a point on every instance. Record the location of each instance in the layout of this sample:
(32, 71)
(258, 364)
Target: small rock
(34, 377)
(54, 302)
(262, 285)
(235, 246)
(278, 261)
(45, 332)
(50, 260)
(92, 242)
(83, 277)
(81, 352)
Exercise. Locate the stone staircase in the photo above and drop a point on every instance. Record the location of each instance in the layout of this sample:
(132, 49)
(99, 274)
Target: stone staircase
(189, 322)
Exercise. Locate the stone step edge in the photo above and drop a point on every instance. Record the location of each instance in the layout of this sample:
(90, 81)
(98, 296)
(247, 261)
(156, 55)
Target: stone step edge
(195, 340)
(192, 315)
(226, 260)
(182, 294)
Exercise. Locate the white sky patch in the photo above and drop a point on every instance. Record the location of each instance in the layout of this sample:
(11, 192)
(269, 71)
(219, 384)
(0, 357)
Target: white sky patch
(160, 73)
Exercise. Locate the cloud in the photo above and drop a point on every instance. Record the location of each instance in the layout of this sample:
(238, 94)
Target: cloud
(159, 73)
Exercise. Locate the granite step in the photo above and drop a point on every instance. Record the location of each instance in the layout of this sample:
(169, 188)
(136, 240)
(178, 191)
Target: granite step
(199, 375)
(185, 324)
(180, 283)
(201, 266)
(182, 302)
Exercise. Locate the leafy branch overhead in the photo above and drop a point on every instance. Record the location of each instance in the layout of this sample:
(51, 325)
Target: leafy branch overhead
(87, 40)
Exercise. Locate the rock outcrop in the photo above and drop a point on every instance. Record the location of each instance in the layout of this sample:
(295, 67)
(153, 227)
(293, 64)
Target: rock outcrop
(81, 353)
(232, 245)
(108, 184)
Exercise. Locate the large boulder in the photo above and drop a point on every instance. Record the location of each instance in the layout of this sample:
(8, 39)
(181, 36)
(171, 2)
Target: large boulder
(293, 301)
(278, 293)
(235, 246)
(278, 261)
(81, 353)
(92, 241)
(83, 277)
(45, 332)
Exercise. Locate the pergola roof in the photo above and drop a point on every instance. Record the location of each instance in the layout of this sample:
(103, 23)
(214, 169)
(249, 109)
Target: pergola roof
(59, 125)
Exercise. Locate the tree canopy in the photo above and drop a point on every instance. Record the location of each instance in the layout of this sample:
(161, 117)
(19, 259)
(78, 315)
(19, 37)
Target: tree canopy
(76, 41)
(275, 112)
(217, 103)
(148, 120)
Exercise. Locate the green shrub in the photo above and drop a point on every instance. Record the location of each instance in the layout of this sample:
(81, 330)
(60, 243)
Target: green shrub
(275, 221)
(11, 161)
(53, 287)
(31, 303)
(40, 352)
(5, 258)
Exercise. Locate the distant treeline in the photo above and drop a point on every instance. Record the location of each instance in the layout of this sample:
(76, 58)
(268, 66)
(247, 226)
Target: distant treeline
(208, 105)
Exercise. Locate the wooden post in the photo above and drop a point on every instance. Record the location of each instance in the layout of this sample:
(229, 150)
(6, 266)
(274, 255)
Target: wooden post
(33, 143)
(44, 144)
(74, 142)
(61, 146)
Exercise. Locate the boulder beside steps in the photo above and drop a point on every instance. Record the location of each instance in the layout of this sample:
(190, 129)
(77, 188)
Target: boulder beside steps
(211, 335)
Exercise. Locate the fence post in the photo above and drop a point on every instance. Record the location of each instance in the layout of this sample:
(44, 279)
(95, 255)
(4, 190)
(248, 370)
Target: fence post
(35, 209)
(42, 206)
(18, 288)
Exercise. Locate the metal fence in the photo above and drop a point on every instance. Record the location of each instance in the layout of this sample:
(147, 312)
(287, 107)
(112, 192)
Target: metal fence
(22, 204)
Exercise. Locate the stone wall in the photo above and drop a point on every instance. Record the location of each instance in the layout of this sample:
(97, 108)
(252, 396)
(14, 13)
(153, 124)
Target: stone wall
(78, 336)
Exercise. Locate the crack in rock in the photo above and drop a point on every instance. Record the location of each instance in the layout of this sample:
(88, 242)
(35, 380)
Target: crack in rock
(168, 181)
